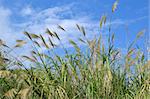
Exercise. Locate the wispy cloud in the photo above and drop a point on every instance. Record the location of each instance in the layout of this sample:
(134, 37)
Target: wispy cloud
(6, 32)
(4, 20)
(38, 21)
(27, 11)
(51, 17)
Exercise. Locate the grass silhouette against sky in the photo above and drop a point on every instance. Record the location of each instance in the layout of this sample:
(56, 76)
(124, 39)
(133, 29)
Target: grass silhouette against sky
(109, 58)
(35, 16)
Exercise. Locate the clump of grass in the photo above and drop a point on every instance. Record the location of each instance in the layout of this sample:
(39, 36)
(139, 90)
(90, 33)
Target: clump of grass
(99, 72)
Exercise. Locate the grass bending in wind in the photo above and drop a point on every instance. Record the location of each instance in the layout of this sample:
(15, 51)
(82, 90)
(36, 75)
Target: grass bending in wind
(101, 71)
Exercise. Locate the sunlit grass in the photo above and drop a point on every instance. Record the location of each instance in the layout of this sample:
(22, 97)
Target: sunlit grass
(98, 72)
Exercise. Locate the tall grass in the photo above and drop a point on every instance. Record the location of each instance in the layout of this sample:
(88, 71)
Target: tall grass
(99, 72)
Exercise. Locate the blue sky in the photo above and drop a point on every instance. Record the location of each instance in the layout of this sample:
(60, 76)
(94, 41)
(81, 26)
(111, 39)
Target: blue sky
(37, 15)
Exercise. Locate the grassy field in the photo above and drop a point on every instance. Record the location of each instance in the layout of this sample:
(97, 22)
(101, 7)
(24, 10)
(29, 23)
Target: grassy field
(99, 72)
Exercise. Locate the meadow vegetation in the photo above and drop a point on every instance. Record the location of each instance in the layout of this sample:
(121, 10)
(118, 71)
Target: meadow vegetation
(99, 72)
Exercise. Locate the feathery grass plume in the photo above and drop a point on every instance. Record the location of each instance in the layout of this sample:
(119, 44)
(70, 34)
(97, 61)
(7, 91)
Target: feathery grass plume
(114, 7)
(20, 43)
(102, 21)
(81, 29)
(140, 34)
(24, 93)
(28, 35)
(75, 45)
(28, 58)
(5, 74)
(34, 35)
(11, 94)
(49, 32)
(97, 71)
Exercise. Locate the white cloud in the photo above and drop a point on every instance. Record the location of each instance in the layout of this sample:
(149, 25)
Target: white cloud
(8, 32)
(49, 18)
(26, 11)
(5, 25)
(38, 22)
(4, 20)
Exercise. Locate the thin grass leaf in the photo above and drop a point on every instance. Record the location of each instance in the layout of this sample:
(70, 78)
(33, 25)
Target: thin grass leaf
(33, 52)
(80, 39)
(79, 28)
(28, 58)
(44, 42)
(60, 27)
(83, 31)
(35, 42)
(72, 42)
(56, 35)
(3, 44)
(52, 44)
